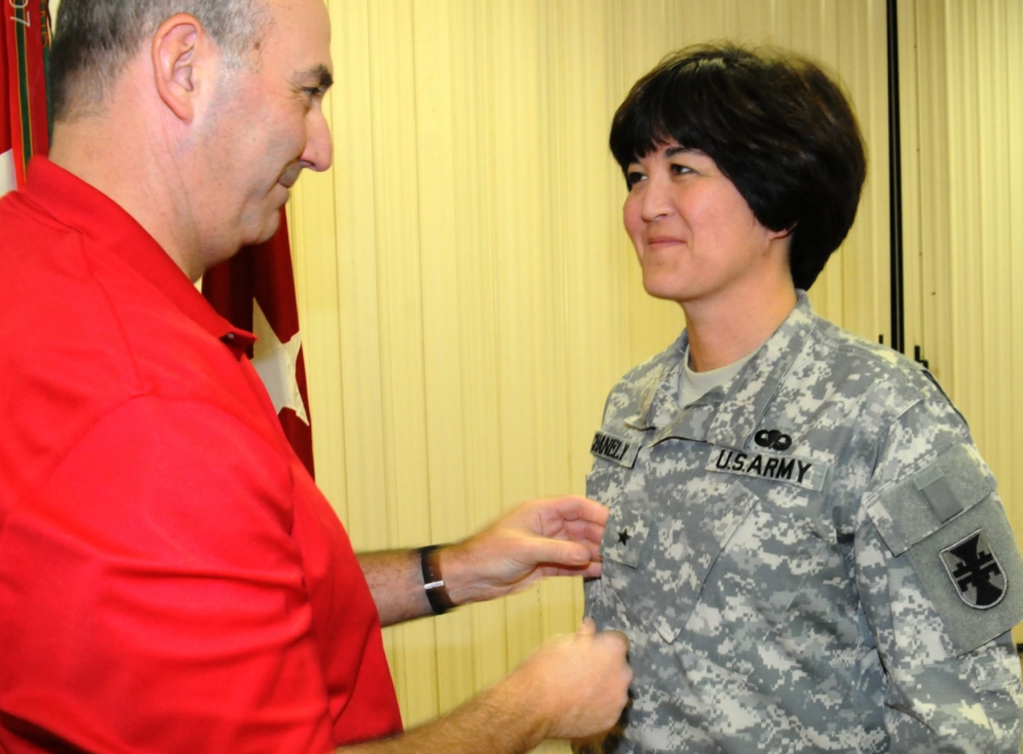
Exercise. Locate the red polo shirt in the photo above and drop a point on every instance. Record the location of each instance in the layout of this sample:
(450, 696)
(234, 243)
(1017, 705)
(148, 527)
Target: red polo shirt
(171, 579)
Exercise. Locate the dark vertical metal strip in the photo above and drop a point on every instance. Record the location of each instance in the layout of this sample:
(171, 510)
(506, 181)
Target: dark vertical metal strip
(895, 180)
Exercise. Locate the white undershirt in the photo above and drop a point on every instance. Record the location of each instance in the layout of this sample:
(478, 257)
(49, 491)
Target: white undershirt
(694, 385)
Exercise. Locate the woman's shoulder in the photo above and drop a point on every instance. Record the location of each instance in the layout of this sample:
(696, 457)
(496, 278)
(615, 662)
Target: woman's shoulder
(891, 376)
(654, 368)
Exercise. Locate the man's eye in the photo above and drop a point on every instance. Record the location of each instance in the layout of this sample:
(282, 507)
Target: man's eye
(313, 92)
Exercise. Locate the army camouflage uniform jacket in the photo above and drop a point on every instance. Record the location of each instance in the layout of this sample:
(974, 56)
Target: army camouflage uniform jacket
(811, 557)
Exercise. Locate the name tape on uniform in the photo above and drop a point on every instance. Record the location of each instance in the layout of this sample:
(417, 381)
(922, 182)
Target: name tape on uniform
(802, 472)
(615, 449)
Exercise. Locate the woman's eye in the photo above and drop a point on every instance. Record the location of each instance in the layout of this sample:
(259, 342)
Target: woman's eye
(633, 177)
(680, 169)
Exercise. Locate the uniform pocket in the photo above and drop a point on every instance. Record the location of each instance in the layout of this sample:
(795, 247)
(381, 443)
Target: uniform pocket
(755, 569)
(657, 558)
(640, 570)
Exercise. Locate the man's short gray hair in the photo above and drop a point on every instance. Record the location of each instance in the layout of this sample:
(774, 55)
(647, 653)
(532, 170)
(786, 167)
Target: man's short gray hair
(96, 38)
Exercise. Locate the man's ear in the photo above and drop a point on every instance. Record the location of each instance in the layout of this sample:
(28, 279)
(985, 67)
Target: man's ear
(182, 53)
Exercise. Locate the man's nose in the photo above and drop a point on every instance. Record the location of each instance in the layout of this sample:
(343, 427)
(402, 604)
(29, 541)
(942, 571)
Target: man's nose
(319, 150)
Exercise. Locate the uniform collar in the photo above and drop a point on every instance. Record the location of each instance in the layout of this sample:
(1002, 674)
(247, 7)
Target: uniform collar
(74, 203)
(728, 415)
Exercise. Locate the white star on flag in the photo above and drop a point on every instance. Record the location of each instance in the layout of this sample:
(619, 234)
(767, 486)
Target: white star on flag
(276, 362)
(7, 179)
(263, 274)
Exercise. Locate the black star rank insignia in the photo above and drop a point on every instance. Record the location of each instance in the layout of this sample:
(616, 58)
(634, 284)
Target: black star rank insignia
(624, 537)
(975, 571)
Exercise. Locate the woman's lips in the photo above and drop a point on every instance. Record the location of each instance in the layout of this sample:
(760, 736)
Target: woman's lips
(662, 241)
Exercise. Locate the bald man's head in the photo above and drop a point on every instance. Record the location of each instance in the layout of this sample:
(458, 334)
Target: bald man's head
(95, 39)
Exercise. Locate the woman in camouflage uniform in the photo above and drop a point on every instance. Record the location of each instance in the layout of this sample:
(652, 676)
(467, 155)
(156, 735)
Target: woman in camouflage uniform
(805, 548)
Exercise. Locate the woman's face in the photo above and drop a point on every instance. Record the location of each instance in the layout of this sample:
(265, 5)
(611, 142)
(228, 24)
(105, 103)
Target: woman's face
(694, 234)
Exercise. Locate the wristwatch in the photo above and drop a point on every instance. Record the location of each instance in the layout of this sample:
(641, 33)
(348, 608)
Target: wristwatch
(433, 581)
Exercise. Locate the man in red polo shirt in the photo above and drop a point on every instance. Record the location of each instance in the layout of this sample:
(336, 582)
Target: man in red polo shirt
(171, 579)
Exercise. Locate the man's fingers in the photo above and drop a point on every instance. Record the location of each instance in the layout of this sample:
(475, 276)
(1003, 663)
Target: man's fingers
(617, 635)
(560, 552)
(576, 508)
(591, 510)
(588, 628)
(583, 531)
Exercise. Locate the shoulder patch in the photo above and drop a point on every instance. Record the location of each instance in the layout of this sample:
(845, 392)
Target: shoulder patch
(973, 572)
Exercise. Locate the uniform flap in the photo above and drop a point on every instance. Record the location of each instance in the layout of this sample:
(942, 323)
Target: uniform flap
(625, 536)
(631, 539)
(907, 512)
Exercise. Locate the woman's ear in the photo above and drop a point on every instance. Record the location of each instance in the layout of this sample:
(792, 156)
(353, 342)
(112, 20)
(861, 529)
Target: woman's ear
(785, 233)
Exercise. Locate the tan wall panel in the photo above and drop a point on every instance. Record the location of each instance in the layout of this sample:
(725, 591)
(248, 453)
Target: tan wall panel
(444, 384)
(1013, 401)
(467, 294)
(963, 154)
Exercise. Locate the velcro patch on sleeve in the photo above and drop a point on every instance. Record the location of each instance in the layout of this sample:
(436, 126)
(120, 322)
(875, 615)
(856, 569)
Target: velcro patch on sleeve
(973, 572)
(910, 511)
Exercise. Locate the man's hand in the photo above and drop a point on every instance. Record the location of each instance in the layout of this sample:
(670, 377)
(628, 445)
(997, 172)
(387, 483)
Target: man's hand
(553, 537)
(573, 686)
(582, 681)
(559, 536)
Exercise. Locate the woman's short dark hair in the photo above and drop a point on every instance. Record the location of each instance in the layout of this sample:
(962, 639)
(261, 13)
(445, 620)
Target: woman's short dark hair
(95, 39)
(774, 123)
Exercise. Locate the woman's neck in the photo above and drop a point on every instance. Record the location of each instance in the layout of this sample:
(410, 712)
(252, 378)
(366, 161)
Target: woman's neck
(724, 329)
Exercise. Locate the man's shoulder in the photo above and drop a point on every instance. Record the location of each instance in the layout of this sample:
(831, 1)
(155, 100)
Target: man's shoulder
(83, 333)
(57, 305)
(26, 225)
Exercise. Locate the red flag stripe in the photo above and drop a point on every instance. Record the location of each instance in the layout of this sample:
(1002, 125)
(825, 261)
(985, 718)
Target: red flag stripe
(26, 27)
(6, 140)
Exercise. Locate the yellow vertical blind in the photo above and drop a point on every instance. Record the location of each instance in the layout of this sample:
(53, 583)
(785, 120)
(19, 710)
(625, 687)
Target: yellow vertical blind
(467, 294)
(962, 87)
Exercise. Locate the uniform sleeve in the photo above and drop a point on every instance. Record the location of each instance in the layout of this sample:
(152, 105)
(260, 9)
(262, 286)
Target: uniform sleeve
(153, 599)
(941, 582)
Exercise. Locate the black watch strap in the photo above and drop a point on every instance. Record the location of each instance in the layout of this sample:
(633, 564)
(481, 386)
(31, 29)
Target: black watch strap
(433, 581)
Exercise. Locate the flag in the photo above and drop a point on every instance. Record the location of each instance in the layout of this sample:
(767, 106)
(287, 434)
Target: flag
(24, 130)
(7, 180)
(255, 290)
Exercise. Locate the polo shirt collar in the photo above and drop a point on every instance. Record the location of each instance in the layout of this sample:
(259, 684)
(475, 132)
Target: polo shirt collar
(98, 217)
